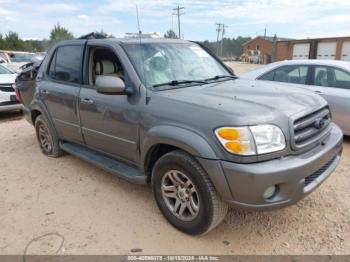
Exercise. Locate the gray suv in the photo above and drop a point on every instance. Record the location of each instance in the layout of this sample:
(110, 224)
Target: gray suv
(169, 113)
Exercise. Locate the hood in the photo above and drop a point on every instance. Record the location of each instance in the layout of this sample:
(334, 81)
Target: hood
(7, 78)
(251, 101)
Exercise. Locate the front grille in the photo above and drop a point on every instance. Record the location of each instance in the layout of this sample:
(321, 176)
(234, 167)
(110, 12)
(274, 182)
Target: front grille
(310, 128)
(6, 88)
(319, 172)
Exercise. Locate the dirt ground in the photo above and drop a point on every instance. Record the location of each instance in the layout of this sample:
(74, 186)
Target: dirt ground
(68, 206)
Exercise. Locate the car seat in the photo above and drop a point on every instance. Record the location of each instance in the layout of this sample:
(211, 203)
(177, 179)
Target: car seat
(321, 78)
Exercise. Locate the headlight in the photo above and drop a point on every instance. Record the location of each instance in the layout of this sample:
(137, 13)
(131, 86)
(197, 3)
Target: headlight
(268, 138)
(251, 140)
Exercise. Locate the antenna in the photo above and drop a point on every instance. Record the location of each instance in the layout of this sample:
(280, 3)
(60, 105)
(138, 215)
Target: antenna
(138, 20)
(142, 66)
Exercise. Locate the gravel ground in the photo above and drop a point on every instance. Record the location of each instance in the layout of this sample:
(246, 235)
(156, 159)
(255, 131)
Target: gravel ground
(68, 206)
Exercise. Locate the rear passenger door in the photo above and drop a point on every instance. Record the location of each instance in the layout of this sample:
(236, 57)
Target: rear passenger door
(334, 85)
(59, 90)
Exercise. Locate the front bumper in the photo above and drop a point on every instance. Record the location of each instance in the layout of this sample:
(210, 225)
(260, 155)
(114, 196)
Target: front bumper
(295, 175)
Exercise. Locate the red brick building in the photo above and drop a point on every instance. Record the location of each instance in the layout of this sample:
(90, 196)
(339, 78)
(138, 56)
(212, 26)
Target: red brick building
(265, 50)
(260, 49)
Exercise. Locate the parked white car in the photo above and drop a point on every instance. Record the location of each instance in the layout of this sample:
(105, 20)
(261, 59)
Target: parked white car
(15, 60)
(329, 78)
(8, 101)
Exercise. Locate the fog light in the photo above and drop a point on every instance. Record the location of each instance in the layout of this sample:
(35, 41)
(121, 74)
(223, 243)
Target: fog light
(270, 192)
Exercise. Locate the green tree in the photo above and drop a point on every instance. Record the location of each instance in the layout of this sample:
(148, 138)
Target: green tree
(59, 33)
(170, 34)
(12, 41)
(231, 46)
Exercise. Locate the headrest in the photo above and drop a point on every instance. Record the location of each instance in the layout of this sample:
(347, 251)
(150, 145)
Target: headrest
(105, 67)
(159, 63)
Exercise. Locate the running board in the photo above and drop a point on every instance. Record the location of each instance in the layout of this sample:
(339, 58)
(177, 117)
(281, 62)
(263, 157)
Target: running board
(115, 167)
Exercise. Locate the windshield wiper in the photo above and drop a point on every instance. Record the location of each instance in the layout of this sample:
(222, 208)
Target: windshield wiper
(180, 82)
(221, 77)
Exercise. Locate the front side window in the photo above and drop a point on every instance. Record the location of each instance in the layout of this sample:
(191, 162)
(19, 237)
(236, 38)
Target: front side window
(66, 64)
(158, 63)
(287, 74)
(103, 62)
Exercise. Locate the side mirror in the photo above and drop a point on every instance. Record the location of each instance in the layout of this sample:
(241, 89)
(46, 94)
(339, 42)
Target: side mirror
(110, 85)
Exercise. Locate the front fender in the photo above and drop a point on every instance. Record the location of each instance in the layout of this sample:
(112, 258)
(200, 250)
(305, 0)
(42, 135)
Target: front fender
(193, 144)
(179, 137)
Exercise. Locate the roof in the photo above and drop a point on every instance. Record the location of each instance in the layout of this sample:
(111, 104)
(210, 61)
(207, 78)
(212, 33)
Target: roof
(269, 38)
(127, 40)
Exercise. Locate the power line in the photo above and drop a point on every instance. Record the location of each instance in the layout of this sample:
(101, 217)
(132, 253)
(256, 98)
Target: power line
(178, 14)
(219, 43)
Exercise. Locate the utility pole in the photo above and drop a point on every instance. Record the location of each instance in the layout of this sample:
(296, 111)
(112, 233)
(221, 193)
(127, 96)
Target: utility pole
(178, 14)
(218, 30)
(222, 38)
(265, 33)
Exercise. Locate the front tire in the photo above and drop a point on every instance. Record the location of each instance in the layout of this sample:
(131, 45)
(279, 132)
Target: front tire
(47, 138)
(185, 195)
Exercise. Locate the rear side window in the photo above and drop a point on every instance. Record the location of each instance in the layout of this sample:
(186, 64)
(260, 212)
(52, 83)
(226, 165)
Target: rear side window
(331, 77)
(342, 79)
(66, 64)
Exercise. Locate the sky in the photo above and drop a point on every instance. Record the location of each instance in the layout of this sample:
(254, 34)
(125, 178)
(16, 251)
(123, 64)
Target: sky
(33, 19)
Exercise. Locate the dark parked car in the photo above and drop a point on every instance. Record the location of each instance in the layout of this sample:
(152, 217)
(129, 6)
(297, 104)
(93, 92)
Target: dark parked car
(169, 113)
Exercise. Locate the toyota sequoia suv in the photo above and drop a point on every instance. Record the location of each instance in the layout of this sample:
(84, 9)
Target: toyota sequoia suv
(169, 113)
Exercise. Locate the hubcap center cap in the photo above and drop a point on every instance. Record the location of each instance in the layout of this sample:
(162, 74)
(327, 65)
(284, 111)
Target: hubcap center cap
(182, 194)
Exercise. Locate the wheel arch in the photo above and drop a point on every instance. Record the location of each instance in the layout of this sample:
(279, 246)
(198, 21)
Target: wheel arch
(163, 139)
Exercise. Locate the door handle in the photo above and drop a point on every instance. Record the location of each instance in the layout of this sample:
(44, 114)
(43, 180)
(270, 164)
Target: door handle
(318, 92)
(87, 101)
(44, 92)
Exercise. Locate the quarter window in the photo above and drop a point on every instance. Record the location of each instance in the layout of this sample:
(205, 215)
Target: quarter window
(66, 64)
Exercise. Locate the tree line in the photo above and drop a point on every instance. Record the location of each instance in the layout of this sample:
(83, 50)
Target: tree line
(231, 47)
(11, 41)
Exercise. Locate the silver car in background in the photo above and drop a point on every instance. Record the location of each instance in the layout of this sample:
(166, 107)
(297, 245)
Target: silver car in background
(329, 78)
(8, 100)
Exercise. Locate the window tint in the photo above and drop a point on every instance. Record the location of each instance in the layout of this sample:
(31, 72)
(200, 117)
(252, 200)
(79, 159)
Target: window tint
(331, 77)
(51, 70)
(287, 74)
(66, 64)
(342, 79)
(269, 76)
(321, 76)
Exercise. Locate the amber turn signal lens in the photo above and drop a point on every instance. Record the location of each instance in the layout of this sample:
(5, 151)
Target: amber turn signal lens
(229, 134)
(235, 147)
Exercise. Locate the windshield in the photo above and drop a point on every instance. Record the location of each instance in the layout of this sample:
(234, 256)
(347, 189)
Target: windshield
(4, 70)
(25, 58)
(160, 63)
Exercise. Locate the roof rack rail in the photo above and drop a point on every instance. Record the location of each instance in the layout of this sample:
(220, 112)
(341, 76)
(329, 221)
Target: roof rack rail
(91, 35)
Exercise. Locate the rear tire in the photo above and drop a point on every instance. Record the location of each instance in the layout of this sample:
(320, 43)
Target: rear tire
(185, 195)
(47, 138)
